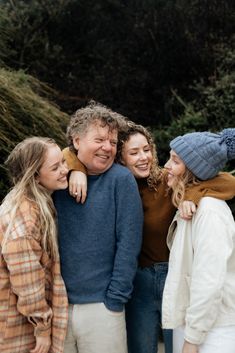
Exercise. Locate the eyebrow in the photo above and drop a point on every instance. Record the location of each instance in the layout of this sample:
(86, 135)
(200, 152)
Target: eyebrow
(103, 136)
(54, 164)
(173, 154)
(136, 148)
(133, 148)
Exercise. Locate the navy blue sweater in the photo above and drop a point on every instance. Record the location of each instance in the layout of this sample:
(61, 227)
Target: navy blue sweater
(100, 240)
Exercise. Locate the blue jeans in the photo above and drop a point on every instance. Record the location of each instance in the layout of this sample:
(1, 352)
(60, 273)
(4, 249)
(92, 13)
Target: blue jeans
(144, 311)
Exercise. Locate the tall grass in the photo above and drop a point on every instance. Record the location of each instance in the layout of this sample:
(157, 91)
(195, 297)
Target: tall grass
(26, 109)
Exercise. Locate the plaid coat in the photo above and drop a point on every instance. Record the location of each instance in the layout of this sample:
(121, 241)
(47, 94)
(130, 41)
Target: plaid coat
(33, 298)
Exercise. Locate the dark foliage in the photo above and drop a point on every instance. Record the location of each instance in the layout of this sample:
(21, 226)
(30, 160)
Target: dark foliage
(126, 54)
(168, 64)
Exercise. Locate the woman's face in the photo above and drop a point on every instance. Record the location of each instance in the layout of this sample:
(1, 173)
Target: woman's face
(137, 155)
(54, 170)
(175, 167)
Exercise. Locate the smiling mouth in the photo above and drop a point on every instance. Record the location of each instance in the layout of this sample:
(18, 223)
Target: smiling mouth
(142, 166)
(104, 157)
(62, 180)
(170, 175)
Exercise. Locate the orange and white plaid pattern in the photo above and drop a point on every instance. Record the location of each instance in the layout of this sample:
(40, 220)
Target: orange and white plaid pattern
(33, 298)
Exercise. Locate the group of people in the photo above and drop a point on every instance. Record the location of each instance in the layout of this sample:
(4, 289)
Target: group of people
(140, 248)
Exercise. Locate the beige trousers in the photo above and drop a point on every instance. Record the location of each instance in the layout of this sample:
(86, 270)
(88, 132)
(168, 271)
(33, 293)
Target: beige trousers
(92, 328)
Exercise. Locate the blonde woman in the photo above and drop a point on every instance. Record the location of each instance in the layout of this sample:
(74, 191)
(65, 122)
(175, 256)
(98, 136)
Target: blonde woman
(33, 301)
(198, 300)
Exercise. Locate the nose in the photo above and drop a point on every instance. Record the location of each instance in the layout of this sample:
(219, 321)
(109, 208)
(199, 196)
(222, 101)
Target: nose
(143, 156)
(167, 164)
(106, 145)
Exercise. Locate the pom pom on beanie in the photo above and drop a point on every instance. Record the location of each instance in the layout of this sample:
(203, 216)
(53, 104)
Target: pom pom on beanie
(228, 137)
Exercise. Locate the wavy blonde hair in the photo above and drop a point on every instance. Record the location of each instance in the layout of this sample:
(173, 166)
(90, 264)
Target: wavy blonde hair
(180, 186)
(125, 132)
(24, 164)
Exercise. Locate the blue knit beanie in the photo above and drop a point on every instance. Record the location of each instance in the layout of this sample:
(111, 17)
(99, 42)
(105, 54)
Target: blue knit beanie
(205, 153)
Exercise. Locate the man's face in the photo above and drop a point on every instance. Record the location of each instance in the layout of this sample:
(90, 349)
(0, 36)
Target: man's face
(97, 148)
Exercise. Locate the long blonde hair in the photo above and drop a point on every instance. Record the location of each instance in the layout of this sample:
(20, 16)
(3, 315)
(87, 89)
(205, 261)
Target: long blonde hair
(24, 164)
(180, 185)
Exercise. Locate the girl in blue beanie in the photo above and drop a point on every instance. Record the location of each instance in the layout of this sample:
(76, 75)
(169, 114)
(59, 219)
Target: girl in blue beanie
(198, 299)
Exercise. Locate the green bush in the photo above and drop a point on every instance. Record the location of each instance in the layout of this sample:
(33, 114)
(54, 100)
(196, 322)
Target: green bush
(213, 106)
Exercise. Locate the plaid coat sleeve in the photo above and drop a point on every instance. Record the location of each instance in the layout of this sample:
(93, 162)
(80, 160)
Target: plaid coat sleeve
(22, 253)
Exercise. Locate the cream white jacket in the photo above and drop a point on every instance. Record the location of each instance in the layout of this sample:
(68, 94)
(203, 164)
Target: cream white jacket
(200, 286)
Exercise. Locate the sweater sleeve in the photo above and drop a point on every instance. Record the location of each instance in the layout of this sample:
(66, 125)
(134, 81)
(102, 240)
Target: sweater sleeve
(129, 227)
(221, 187)
(211, 256)
(72, 161)
(22, 255)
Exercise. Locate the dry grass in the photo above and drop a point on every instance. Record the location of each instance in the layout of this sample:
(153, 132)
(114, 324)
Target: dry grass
(26, 109)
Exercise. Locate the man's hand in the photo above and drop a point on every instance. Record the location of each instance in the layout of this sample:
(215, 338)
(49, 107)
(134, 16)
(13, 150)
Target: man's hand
(190, 348)
(78, 186)
(187, 209)
(43, 344)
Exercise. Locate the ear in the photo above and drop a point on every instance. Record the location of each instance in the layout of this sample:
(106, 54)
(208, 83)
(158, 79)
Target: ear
(76, 142)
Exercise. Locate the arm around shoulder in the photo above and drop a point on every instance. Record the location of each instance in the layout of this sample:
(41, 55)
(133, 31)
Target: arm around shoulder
(72, 161)
(77, 177)
(221, 187)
